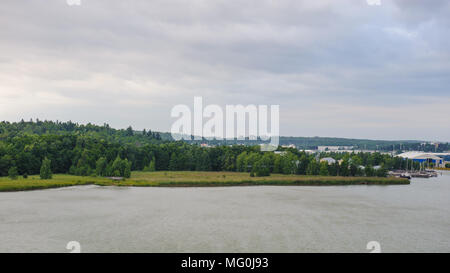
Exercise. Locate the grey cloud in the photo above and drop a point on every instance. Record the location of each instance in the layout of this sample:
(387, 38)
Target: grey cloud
(415, 12)
(129, 62)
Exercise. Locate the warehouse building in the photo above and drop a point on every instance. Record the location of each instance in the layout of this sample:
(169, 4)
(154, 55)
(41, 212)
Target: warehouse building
(424, 157)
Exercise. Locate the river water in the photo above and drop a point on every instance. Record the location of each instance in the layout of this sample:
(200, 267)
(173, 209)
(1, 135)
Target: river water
(403, 218)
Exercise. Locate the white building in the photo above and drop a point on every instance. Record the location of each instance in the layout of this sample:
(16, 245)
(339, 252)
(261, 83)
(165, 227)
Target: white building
(333, 148)
(329, 160)
(424, 157)
(289, 146)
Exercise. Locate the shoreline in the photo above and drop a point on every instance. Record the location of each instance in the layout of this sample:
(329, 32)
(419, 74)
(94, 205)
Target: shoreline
(193, 179)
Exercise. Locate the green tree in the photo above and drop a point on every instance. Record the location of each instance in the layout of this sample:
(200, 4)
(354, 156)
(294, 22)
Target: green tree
(333, 169)
(13, 173)
(353, 169)
(228, 161)
(251, 160)
(203, 162)
(369, 171)
(260, 168)
(127, 169)
(129, 131)
(83, 166)
(6, 162)
(118, 167)
(381, 172)
(344, 169)
(73, 170)
(288, 163)
(313, 167)
(303, 164)
(268, 161)
(323, 169)
(101, 166)
(152, 166)
(277, 164)
(173, 163)
(240, 162)
(46, 170)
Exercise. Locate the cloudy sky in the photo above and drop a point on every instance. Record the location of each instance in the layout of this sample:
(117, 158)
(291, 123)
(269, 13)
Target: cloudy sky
(336, 68)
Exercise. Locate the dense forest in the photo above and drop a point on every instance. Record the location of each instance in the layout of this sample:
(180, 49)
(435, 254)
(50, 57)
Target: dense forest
(25, 128)
(100, 150)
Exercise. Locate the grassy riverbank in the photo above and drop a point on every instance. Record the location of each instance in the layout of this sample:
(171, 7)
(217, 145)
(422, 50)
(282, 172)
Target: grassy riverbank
(191, 179)
(35, 183)
(442, 169)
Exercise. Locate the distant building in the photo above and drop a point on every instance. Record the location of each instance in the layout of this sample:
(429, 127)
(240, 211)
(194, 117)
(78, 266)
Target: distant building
(422, 157)
(329, 160)
(289, 146)
(333, 148)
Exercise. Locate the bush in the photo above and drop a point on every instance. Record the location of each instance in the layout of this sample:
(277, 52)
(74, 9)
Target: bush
(25, 175)
(447, 165)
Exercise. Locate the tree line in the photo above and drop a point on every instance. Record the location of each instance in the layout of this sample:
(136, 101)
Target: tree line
(128, 135)
(90, 155)
(38, 127)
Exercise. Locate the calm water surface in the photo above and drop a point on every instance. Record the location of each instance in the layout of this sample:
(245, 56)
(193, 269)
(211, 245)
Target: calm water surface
(406, 218)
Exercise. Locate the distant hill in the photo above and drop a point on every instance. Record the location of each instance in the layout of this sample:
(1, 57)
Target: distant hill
(130, 136)
(309, 142)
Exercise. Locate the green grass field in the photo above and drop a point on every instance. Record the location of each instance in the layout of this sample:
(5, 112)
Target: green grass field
(191, 179)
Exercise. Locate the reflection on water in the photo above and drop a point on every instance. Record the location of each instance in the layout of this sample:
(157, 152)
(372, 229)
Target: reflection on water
(411, 218)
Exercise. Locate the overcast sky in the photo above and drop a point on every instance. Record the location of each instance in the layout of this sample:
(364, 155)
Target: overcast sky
(336, 68)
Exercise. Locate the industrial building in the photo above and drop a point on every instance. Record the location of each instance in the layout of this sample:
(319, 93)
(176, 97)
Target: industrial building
(421, 157)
